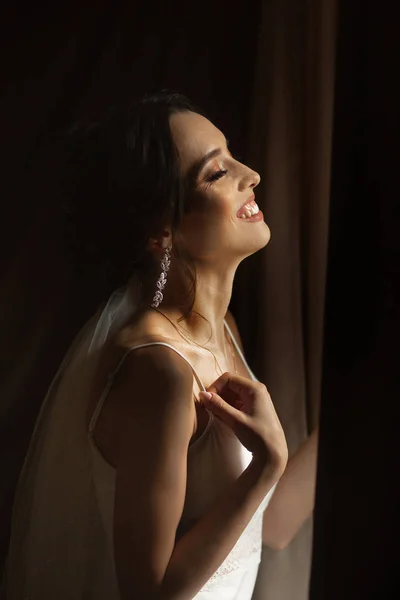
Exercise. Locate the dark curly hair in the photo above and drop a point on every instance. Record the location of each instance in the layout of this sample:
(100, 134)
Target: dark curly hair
(121, 183)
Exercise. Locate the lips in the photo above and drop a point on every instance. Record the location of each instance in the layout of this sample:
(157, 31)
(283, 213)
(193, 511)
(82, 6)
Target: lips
(248, 209)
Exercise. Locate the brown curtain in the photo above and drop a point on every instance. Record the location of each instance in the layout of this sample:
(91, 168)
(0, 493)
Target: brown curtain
(283, 287)
(356, 521)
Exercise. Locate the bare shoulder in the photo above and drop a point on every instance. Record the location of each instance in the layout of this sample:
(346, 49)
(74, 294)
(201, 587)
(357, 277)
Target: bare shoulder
(153, 369)
(148, 326)
(152, 385)
(230, 319)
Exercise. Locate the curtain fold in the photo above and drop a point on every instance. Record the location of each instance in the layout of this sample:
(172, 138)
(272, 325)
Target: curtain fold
(283, 287)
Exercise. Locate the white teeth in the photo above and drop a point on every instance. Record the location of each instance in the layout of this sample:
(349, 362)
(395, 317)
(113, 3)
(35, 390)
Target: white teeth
(249, 210)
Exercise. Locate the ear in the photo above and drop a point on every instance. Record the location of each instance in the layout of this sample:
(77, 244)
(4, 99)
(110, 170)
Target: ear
(157, 245)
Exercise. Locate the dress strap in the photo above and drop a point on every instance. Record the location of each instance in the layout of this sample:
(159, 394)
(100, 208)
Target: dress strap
(113, 373)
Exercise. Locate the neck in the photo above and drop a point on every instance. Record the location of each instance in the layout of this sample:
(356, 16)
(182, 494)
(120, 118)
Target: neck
(213, 295)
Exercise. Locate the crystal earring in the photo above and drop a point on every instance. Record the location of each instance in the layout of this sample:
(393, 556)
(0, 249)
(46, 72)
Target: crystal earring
(162, 280)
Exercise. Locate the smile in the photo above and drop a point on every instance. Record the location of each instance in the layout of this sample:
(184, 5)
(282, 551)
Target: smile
(250, 211)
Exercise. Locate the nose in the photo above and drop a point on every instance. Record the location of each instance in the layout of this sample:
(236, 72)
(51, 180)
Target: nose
(251, 179)
(256, 178)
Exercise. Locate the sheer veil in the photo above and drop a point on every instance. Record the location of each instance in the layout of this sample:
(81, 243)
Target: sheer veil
(58, 546)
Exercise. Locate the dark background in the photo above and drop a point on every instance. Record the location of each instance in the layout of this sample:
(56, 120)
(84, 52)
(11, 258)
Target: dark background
(64, 60)
(356, 541)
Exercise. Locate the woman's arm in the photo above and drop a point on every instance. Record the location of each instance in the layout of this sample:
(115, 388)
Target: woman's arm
(293, 499)
(154, 401)
(202, 550)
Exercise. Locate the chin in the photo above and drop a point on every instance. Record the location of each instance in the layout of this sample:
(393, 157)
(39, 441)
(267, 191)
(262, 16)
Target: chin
(262, 238)
(258, 242)
(267, 234)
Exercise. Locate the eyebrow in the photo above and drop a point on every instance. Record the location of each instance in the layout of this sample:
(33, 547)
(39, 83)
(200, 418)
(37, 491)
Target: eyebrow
(200, 164)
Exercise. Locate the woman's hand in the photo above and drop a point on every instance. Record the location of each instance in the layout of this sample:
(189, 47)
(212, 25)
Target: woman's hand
(246, 407)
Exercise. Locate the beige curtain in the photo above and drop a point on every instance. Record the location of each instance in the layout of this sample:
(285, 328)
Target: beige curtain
(290, 145)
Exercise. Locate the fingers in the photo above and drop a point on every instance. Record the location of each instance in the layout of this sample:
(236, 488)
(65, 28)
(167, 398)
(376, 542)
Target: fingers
(234, 382)
(220, 408)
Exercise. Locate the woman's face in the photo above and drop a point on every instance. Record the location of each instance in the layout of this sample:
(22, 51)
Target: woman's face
(213, 230)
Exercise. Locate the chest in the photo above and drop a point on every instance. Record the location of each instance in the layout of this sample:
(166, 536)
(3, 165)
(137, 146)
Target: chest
(207, 366)
(208, 375)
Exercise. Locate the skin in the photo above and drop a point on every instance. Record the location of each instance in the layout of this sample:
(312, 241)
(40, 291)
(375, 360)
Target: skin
(163, 416)
(216, 238)
(219, 241)
(144, 533)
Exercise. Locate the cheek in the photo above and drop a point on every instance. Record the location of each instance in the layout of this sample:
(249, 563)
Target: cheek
(212, 206)
(204, 227)
(214, 215)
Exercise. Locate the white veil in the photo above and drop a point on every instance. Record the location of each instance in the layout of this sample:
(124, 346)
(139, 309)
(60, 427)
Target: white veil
(58, 548)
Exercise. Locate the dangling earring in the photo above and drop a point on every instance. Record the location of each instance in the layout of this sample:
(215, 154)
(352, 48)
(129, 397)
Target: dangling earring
(162, 280)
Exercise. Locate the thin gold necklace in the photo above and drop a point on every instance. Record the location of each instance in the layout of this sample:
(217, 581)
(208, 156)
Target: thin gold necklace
(189, 339)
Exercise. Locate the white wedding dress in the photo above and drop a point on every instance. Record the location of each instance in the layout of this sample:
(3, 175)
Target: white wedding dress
(61, 537)
(215, 460)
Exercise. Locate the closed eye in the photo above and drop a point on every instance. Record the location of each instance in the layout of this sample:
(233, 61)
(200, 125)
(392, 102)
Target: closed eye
(217, 175)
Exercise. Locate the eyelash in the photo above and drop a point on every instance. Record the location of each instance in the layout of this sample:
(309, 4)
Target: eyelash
(217, 175)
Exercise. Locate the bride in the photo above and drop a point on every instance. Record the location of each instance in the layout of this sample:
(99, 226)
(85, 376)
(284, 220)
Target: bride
(156, 451)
